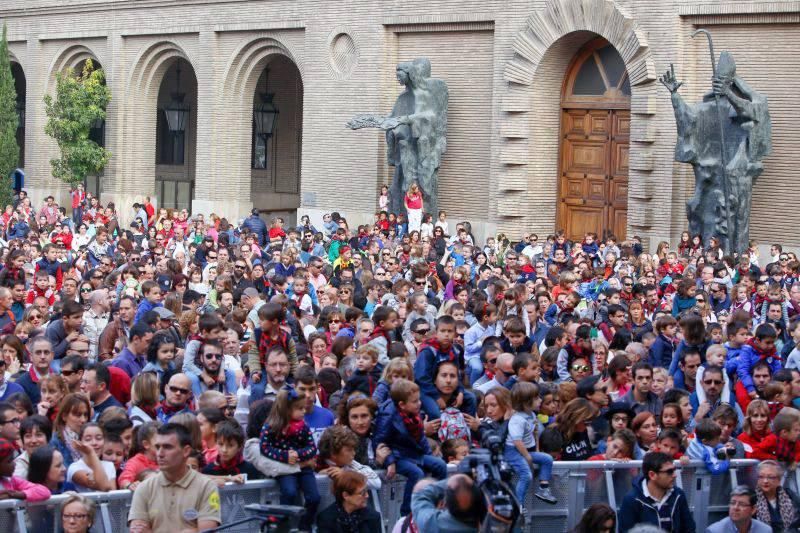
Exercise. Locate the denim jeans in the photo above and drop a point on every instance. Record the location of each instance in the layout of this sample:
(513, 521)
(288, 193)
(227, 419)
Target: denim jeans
(474, 369)
(431, 408)
(413, 471)
(523, 470)
(307, 482)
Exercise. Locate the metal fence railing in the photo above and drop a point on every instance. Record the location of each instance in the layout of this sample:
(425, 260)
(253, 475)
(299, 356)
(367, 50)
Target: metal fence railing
(577, 485)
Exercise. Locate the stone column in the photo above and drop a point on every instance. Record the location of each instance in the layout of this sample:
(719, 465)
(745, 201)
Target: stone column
(217, 189)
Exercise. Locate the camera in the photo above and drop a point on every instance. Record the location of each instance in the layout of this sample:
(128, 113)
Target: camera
(492, 475)
(724, 453)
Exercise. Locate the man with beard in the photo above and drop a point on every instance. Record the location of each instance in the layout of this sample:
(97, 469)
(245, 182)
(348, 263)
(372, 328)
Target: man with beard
(119, 328)
(212, 376)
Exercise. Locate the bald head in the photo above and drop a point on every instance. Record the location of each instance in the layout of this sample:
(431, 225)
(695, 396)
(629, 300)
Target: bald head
(178, 391)
(505, 363)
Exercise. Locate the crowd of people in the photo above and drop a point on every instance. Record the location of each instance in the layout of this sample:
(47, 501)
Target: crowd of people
(176, 354)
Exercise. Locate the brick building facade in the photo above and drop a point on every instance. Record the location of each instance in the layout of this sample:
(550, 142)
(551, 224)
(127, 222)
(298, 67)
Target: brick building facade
(523, 154)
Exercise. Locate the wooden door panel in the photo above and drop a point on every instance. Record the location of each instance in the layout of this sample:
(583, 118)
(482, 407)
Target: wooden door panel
(620, 158)
(621, 123)
(582, 220)
(619, 223)
(584, 157)
(599, 122)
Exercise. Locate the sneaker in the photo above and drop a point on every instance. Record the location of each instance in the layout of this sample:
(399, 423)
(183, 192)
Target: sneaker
(546, 495)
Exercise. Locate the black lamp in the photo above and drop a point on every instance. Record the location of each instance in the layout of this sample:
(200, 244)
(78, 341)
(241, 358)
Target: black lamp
(177, 111)
(265, 114)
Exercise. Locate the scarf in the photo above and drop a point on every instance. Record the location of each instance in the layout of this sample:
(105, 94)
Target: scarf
(167, 411)
(379, 332)
(785, 508)
(413, 424)
(349, 522)
(232, 467)
(761, 354)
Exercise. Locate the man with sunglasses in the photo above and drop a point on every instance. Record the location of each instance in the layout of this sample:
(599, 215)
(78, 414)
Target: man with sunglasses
(177, 394)
(212, 371)
(712, 384)
(655, 499)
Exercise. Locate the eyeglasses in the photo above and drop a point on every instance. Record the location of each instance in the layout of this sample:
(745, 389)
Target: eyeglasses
(668, 471)
(86, 290)
(740, 505)
(581, 368)
(423, 331)
(74, 516)
(768, 477)
(68, 373)
(215, 356)
(712, 381)
(240, 267)
(334, 321)
(380, 273)
(419, 283)
(784, 258)
(178, 390)
(700, 300)
(15, 421)
(492, 361)
(212, 256)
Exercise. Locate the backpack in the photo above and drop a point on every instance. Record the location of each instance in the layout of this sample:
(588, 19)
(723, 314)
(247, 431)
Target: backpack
(454, 426)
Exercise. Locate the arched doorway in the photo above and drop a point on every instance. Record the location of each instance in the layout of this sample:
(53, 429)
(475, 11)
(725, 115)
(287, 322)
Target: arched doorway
(277, 138)
(20, 86)
(176, 136)
(595, 132)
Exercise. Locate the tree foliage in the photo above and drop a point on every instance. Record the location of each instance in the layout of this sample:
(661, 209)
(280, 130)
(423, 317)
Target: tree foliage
(81, 99)
(9, 121)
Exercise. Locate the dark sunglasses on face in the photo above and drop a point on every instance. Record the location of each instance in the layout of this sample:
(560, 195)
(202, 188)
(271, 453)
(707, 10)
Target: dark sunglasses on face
(216, 356)
(581, 368)
(423, 331)
(178, 390)
(712, 381)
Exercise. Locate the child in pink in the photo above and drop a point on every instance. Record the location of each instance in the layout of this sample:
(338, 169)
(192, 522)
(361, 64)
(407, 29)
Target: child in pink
(13, 487)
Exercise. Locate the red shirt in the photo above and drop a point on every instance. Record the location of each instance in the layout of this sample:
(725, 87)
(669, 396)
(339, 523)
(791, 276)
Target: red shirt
(413, 201)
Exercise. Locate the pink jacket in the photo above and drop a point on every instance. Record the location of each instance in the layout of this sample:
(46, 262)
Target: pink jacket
(33, 491)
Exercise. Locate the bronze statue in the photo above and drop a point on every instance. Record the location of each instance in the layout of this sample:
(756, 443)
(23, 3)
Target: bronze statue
(724, 137)
(415, 133)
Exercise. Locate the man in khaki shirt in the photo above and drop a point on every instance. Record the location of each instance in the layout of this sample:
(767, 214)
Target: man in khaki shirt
(178, 498)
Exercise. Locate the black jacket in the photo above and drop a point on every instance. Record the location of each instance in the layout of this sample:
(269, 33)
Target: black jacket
(327, 521)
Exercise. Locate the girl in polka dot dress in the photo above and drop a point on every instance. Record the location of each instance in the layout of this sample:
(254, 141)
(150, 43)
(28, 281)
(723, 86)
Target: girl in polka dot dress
(286, 437)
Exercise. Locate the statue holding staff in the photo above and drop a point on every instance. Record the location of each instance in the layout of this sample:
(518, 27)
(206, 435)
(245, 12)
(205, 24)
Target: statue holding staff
(724, 138)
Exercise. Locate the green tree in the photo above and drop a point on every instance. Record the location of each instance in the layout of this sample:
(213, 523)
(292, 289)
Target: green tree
(81, 99)
(9, 149)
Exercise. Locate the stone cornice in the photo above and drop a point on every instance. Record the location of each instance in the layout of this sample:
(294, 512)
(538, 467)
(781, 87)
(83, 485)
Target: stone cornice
(693, 9)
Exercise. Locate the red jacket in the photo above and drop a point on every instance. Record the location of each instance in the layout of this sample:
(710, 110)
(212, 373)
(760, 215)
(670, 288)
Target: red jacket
(751, 442)
(767, 449)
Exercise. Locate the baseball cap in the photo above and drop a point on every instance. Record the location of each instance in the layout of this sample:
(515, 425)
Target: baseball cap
(164, 313)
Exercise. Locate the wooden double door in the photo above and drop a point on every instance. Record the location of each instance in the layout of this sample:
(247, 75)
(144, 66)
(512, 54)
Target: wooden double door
(594, 172)
(594, 138)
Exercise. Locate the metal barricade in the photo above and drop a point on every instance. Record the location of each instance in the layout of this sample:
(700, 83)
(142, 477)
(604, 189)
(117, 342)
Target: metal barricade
(576, 485)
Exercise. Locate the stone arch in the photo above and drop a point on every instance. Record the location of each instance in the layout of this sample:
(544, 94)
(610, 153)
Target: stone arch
(531, 95)
(137, 173)
(70, 56)
(238, 85)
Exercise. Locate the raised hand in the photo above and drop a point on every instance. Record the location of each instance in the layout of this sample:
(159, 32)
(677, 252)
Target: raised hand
(669, 80)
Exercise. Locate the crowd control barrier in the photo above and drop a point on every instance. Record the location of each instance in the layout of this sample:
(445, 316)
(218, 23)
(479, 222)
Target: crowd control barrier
(577, 485)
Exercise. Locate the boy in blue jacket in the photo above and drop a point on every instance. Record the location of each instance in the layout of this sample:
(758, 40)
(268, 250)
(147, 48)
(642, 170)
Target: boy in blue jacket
(738, 335)
(152, 299)
(432, 353)
(760, 347)
(399, 426)
(706, 445)
(664, 346)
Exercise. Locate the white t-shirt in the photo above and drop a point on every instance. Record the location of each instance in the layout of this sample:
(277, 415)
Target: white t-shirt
(81, 466)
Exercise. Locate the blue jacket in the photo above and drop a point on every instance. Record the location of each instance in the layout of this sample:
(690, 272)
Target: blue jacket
(258, 227)
(390, 430)
(744, 365)
(637, 508)
(732, 359)
(661, 351)
(19, 231)
(144, 308)
(381, 393)
(199, 386)
(680, 305)
(699, 451)
(428, 360)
